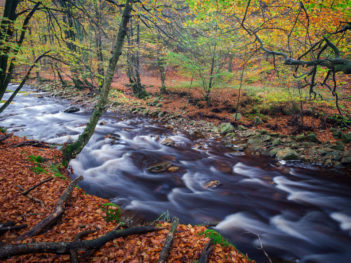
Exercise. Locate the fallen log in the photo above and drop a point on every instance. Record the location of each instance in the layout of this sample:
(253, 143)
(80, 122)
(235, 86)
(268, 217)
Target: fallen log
(59, 209)
(7, 251)
(205, 254)
(168, 242)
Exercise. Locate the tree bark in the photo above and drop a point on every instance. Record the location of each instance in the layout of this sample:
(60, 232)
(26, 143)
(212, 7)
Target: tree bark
(72, 150)
(168, 242)
(205, 254)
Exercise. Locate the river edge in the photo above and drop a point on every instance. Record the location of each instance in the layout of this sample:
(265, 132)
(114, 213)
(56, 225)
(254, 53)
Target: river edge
(83, 213)
(303, 150)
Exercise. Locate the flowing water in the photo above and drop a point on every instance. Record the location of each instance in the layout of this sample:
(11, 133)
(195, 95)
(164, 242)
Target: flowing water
(296, 213)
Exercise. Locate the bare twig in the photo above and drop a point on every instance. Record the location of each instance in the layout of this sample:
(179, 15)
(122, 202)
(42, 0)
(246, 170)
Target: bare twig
(59, 209)
(37, 185)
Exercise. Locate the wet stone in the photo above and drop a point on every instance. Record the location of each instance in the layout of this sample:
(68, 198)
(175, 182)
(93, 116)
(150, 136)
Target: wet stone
(160, 167)
(212, 184)
(71, 109)
(168, 142)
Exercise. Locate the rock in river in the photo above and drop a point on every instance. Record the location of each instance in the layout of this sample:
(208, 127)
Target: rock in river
(71, 109)
(159, 167)
(287, 154)
(168, 142)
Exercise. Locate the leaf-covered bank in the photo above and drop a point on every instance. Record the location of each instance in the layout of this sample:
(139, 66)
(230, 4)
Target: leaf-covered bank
(25, 164)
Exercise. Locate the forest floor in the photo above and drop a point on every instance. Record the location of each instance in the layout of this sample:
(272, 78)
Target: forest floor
(21, 168)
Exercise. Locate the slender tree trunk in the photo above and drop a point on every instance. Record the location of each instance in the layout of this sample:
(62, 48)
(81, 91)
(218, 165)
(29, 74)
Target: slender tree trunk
(71, 150)
(230, 63)
(210, 82)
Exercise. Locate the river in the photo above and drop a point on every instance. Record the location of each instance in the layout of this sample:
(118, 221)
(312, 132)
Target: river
(296, 213)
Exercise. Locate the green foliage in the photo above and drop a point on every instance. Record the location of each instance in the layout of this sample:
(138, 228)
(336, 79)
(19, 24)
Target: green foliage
(216, 237)
(37, 160)
(3, 130)
(113, 212)
(56, 171)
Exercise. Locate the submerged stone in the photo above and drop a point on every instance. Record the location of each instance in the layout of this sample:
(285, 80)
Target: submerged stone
(160, 167)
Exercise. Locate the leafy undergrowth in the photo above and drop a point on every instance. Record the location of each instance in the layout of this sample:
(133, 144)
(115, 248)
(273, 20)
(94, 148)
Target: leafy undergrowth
(82, 213)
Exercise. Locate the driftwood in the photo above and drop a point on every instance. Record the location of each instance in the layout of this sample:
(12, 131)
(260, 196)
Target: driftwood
(30, 143)
(205, 254)
(30, 196)
(168, 242)
(59, 209)
(37, 185)
(7, 251)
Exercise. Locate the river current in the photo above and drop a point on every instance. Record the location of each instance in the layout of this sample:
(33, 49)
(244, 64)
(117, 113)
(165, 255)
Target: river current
(296, 213)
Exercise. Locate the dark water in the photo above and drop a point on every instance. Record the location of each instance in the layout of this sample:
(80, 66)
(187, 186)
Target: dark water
(298, 215)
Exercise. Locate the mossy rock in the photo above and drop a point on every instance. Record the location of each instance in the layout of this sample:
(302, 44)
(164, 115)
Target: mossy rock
(300, 137)
(258, 121)
(311, 137)
(237, 116)
(287, 154)
(226, 128)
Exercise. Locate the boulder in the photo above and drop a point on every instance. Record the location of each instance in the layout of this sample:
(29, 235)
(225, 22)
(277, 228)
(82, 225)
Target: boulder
(276, 142)
(71, 109)
(287, 154)
(168, 142)
(311, 137)
(300, 137)
(226, 128)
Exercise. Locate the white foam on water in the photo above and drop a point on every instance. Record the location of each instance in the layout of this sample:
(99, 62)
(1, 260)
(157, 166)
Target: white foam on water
(344, 220)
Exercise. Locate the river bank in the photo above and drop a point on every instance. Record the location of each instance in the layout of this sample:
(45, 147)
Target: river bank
(31, 164)
(304, 149)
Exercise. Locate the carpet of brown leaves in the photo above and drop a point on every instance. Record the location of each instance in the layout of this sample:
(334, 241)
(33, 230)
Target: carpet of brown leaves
(83, 213)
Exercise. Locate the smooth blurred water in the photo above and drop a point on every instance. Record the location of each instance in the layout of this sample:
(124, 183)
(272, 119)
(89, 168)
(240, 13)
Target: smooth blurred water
(296, 213)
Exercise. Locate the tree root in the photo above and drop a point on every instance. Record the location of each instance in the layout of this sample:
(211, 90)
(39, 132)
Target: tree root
(168, 242)
(206, 252)
(7, 251)
(59, 209)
